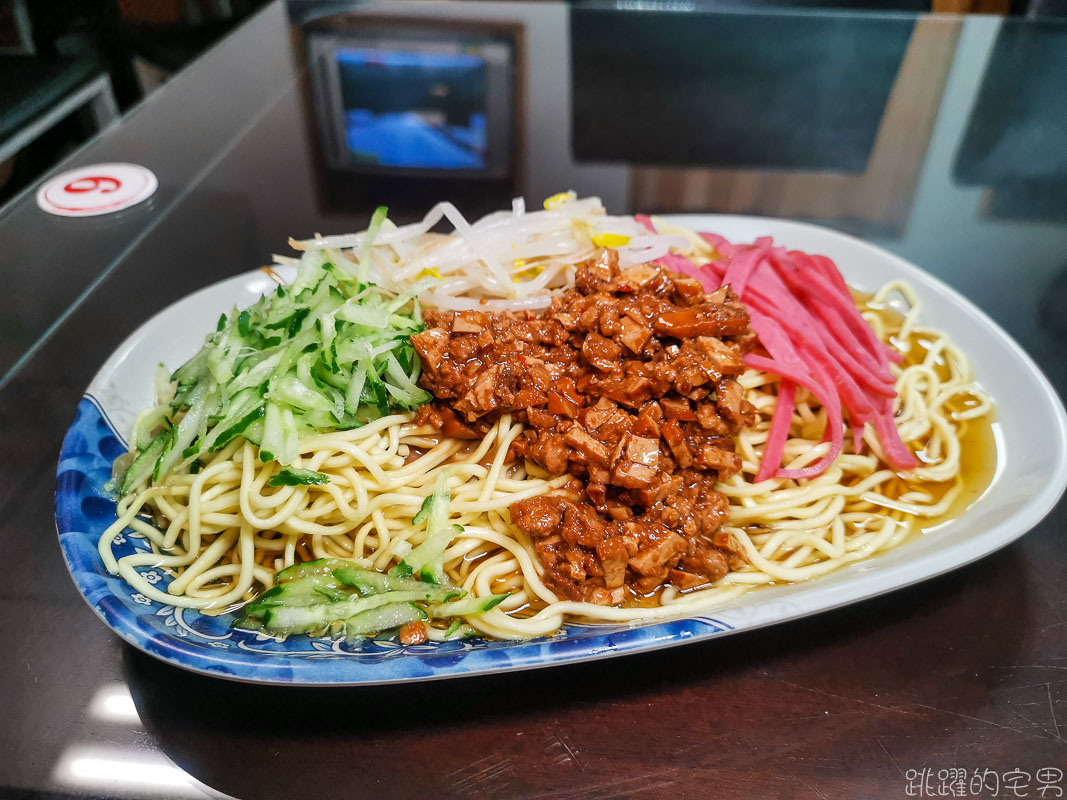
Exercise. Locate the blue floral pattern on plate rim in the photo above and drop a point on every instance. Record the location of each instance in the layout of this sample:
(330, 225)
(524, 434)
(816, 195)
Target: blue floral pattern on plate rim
(206, 644)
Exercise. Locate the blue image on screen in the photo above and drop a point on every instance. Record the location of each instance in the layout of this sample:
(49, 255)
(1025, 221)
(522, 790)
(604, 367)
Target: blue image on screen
(414, 110)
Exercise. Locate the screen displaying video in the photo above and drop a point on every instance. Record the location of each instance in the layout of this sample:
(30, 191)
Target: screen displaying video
(421, 110)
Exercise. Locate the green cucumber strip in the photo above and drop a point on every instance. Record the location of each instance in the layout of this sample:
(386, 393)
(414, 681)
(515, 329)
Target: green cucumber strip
(291, 440)
(368, 582)
(355, 390)
(361, 315)
(455, 626)
(425, 561)
(199, 402)
(307, 591)
(378, 394)
(284, 620)
(168, 446)
(292, 392)
(320, 566)
(141, 467)
(437, 514)
(248, 624)
(384, 618)
(142, 435)
(241, 426)
(254, 432)
(402, 388)
(294, 476)
(273, 435)
(305, 619)
(424, 510)
(467, 606)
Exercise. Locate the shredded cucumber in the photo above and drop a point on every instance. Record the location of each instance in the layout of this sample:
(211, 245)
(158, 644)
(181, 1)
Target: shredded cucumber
(294, 476)
(384, 618)
(316, 617)
(320, 566)
(327, 594)
(368, 582)
(328, 352)
(467, 606)
(426, 561)
(141, 468)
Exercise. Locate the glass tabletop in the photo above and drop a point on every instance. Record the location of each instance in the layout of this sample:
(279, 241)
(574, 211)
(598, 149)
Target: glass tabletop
(940, 138)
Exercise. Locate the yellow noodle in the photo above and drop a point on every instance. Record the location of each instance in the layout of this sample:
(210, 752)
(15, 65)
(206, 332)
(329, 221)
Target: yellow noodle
(226, 532)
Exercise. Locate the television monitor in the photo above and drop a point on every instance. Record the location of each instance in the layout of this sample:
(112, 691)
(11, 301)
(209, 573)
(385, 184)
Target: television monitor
(437, 104)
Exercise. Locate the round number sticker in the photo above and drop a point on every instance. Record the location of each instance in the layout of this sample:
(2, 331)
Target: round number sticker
(96, 189)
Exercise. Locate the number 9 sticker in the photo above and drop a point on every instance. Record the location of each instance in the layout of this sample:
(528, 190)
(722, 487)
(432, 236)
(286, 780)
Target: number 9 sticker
(96, 189)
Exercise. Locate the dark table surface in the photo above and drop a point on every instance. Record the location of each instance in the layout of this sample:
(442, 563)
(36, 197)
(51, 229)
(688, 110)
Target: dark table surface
(941, 139)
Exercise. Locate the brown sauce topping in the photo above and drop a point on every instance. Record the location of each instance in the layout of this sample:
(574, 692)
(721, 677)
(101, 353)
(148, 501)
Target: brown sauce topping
(627, 382)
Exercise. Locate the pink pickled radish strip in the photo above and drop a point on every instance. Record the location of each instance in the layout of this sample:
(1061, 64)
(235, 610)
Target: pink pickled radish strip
(896, 452)
(777, 341)
(819, 288)
(774, 449)
(847, 389)
(806, 318)
(783, 305)
(646, 220)
(806, 327)
(836, 425)
(787, 363)
(839, 329)
(851, 314)
(680, 263)
(741, 268)
(835, 436)
(757, 300)
(714, 269)
(830, 270)
(804, 324)
(879, 381)
(807, 266)
(848, 365)
(722, 247)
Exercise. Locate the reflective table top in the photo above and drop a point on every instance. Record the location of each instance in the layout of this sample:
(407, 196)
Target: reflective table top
(942, 139)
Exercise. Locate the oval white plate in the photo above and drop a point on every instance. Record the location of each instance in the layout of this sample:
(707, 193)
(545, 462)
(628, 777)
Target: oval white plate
(1031, 474)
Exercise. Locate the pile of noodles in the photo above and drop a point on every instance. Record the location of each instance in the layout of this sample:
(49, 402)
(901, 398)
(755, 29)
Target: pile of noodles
(224, 533)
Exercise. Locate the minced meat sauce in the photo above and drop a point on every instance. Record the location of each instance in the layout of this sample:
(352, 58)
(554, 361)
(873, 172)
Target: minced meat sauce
(627, 382)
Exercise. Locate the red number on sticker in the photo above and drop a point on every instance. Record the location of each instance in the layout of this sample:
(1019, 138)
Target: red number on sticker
(93, 183)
